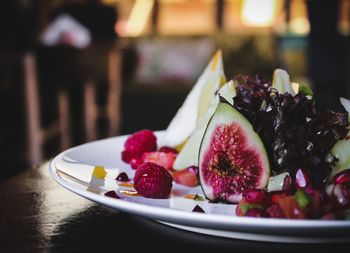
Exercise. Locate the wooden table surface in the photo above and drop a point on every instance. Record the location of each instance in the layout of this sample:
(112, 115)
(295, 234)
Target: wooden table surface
(38, 215)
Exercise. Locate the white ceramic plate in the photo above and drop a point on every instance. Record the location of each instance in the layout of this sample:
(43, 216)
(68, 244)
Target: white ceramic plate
(73, 170)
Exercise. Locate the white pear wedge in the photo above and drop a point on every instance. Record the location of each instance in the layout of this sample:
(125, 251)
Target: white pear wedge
(188, 155)
(195, 104)
(281, 82)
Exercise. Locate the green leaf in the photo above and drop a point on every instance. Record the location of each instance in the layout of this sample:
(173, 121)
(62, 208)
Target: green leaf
(306, 90)
(303, 199)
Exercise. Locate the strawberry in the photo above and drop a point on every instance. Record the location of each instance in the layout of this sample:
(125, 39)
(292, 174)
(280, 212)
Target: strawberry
(163, 159)
(187, 177)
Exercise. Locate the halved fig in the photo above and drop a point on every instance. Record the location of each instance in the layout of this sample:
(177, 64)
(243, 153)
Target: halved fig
(232, 157)
(188, 156)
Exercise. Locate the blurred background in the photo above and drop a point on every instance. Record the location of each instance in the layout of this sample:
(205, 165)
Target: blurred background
(73, 71)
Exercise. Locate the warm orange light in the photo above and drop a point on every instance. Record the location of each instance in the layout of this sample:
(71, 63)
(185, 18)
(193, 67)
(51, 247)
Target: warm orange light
(258, 12)
(138, 17)
(300, 25)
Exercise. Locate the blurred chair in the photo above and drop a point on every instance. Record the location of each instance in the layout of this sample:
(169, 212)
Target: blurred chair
(38, 133)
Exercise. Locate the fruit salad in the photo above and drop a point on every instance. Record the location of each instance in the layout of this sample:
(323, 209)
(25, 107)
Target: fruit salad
(261, 145)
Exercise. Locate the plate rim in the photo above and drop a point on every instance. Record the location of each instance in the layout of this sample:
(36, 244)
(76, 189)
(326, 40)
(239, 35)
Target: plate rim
(185, 218)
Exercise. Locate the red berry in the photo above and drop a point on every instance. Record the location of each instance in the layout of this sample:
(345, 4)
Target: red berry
(127, 156)
(153, 181)
(342, 177)
(135, 163)
(287, 183)
(140, 142)
(342, 194)
(255, 196)
(328, 216)
(275, 211)
(256, 212)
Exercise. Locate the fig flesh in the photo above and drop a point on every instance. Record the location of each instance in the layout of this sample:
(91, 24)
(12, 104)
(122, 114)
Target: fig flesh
(232, 157)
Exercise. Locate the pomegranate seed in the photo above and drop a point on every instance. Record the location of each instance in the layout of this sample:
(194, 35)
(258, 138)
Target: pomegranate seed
(342, 177)
(287, 183)
(329, 189)
(342, 193)
(302, 178)
(328, 216)
(122, 177)
(256, 212)
(194, 169)
(255, 196)
(198, 209)
(275, 211)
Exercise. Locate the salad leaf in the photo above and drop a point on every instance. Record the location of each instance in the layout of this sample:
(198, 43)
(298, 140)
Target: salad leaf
(294, 133)
(306, 90)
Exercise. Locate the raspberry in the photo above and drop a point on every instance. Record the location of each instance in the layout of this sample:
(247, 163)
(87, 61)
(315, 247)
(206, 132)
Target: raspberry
(127, 156)
(135, 163)
(153, 181)
(140, 142)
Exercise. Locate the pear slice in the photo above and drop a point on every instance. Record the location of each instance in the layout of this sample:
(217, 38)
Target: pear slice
(195, 104)
(341, 149)
(188, 156)
(281, 82)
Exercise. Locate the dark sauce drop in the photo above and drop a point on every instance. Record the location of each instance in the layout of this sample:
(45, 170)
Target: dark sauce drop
(198, 209)
(122, 177)
(112, 194)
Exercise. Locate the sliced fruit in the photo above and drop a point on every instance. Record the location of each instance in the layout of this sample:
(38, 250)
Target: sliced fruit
(342, 177)
(232, 157)
(188, 155)
(255, 196)
(346, 104)
(277, 182)
(243, 206)
(187, 177)
(195, 104)
(163, 159)
(341, 151)
(290, 207)
(297, 87)
(281, 82)
(302, 198)
(302, 178)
